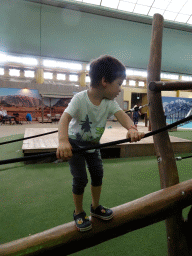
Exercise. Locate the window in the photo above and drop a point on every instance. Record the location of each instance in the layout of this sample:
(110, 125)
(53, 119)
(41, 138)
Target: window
(124, 82)
(29, 73)
(61, 77)
(87, 79)
(186, 78)
(48, 75)
(2, 71)
(14, 72)
(73, 78)
(132, 83)
(141, 84)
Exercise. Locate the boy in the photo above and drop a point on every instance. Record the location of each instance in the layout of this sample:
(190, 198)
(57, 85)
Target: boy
(82, 124)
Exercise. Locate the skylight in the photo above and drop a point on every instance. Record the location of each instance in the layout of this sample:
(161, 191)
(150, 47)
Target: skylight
(172, 10)
(110, 4)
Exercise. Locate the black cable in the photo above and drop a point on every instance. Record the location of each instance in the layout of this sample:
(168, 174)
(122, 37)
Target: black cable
(44, 155)
(26, 138)
(178, 158)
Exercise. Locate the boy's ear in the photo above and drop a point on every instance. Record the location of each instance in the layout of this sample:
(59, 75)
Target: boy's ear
(104, 82)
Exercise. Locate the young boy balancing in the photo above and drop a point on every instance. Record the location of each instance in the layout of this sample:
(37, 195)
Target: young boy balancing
(82, 124)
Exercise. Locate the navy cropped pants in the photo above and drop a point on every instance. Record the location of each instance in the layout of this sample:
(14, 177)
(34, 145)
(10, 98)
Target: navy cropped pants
(78, 164)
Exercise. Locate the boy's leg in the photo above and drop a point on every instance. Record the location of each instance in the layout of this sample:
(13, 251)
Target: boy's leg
(95, 167)
(78, 171)
(78, 201)
(96, 192)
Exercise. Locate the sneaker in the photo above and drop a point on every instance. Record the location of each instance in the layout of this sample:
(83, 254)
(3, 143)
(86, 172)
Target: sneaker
(102, 213)
(82, 222)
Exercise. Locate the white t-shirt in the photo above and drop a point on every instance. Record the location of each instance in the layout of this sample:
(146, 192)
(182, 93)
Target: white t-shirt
(88, 121)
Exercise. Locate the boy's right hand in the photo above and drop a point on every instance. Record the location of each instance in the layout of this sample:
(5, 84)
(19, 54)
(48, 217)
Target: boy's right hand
(64, 150)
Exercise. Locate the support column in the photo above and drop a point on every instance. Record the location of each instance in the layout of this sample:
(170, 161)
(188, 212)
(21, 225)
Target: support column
(166, 161)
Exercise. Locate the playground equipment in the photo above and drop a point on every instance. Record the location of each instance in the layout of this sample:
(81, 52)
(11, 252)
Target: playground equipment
(176, 239)
(65, 239)
(164, 204)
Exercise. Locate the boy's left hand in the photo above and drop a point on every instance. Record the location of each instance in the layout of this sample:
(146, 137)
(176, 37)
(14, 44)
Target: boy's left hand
(134, 135)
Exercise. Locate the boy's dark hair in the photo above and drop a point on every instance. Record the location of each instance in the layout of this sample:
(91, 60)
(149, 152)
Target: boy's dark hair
(108, 67)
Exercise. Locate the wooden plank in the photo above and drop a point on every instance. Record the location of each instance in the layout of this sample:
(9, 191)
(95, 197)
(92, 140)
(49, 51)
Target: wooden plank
(47, 142)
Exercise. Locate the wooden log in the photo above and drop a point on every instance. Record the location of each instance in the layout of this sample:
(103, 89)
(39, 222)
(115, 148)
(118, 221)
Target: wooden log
(65, 239)
(177, 244)
(169, 86)
(161, 141)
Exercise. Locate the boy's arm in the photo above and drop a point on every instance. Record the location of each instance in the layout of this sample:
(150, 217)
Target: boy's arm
(124, 119)
(64, 149)
(128, 124)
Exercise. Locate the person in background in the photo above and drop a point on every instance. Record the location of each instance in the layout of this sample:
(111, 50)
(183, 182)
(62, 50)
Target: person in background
(29, 118)
(136, 113)
(5, 117)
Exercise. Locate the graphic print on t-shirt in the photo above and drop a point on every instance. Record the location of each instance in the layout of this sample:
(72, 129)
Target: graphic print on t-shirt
(86, 128)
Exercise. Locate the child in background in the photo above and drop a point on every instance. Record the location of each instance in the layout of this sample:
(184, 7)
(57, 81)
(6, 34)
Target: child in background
(82, 124)
(135, 114)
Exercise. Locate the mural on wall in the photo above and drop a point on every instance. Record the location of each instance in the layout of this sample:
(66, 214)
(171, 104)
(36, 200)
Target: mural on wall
(176, 109)
(172, 105)
(23, 101)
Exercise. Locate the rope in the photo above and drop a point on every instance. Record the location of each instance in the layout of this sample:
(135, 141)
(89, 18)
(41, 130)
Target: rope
(44, 155)
(26, 138)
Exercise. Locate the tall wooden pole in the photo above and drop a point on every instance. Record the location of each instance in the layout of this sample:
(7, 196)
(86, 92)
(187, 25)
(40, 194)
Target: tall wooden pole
(166, 161)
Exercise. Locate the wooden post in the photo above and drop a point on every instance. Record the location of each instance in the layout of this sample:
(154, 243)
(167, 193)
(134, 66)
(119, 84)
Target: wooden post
(42, 109)
(166, 161)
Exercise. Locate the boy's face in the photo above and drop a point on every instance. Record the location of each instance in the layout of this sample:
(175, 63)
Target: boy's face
(113, 89)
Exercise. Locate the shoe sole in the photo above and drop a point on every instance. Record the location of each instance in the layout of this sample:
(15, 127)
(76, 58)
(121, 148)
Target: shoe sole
(84, 229)
(101, 217)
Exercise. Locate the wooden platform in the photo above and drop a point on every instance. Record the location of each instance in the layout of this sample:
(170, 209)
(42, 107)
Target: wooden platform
(114, 131)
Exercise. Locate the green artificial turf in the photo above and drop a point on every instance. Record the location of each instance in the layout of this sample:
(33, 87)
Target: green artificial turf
(184, 134)
(37, 197)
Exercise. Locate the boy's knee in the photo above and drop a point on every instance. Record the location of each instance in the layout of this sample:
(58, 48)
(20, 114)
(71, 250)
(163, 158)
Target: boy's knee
(79, 185)
(96, 181)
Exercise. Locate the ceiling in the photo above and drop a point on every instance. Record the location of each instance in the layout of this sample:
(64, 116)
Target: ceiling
(174, 10)
(177, 13)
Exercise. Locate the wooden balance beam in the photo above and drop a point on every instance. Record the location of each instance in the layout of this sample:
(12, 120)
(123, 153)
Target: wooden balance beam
(65, 239)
